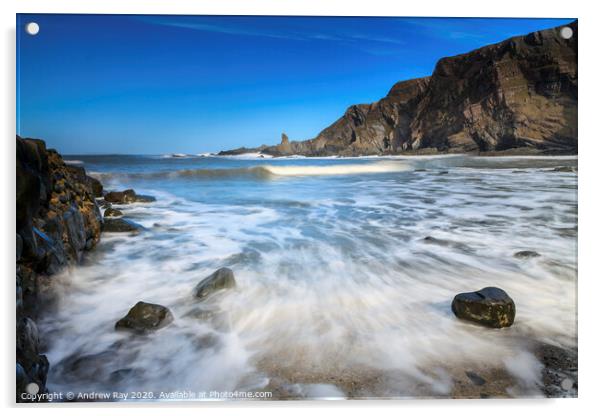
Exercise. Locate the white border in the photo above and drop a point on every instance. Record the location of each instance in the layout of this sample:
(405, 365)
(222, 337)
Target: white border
(590, 153)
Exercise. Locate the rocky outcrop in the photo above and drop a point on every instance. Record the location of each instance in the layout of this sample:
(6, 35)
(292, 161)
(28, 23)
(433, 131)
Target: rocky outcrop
(243, 150)
(218, 280)
(126, 197)
(58, 220)
(518, 95)
(378, 128)
(144, 317)
(490, 306)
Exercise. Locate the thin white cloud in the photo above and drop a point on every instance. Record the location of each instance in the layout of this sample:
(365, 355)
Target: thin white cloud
(351, 39)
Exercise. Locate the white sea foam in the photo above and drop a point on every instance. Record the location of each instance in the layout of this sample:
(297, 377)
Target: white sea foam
(339, 169)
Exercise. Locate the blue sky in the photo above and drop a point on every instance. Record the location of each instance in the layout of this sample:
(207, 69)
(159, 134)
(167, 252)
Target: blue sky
(191, 84)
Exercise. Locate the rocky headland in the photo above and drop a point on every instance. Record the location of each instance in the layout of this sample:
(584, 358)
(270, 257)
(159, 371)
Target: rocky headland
(518, 96)
(59, 219)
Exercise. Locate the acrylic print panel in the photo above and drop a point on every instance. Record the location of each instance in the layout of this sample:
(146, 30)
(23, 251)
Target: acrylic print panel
(271, 208)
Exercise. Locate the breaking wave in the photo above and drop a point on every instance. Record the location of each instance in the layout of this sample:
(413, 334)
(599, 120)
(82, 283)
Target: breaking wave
(268, 171)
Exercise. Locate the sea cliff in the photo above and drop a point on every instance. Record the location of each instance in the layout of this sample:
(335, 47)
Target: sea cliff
(517, 96)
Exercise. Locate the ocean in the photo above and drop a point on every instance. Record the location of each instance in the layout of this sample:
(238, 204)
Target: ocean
(339, 291)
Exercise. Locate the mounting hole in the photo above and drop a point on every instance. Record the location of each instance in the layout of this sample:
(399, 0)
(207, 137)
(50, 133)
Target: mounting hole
(566, 32)
(567, 384)
(32, 388)
(32, 28)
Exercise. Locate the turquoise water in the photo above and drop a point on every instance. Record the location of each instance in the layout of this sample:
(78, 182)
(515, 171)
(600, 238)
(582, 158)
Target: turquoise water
(336, 286)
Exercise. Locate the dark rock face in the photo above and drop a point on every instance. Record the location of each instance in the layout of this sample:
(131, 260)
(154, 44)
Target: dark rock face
(58, 220)
(220, 279)
(518, 94)
(144, 317)
(491, 307)
(94, 184)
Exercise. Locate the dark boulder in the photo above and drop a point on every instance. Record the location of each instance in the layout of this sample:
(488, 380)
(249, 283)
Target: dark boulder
(144, 317)
(220, 279)
(526, 254)
(120, 225)
(127, 197)
(121, 197)
(112, 213)
(491, 307)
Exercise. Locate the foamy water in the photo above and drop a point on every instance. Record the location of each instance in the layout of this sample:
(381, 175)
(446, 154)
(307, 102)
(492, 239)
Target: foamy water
(338, 294)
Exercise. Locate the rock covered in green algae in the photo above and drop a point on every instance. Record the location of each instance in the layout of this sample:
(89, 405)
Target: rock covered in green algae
(144, 317)
(490, 307)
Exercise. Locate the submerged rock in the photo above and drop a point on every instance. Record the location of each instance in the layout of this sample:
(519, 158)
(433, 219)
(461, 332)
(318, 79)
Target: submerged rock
(569, 169)
(526, 254)
(446, 243)
(490, 307)
(475, 378)
(145, 198)
(119, 225)
(220, 279)
(145, 317)
(113, 213)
